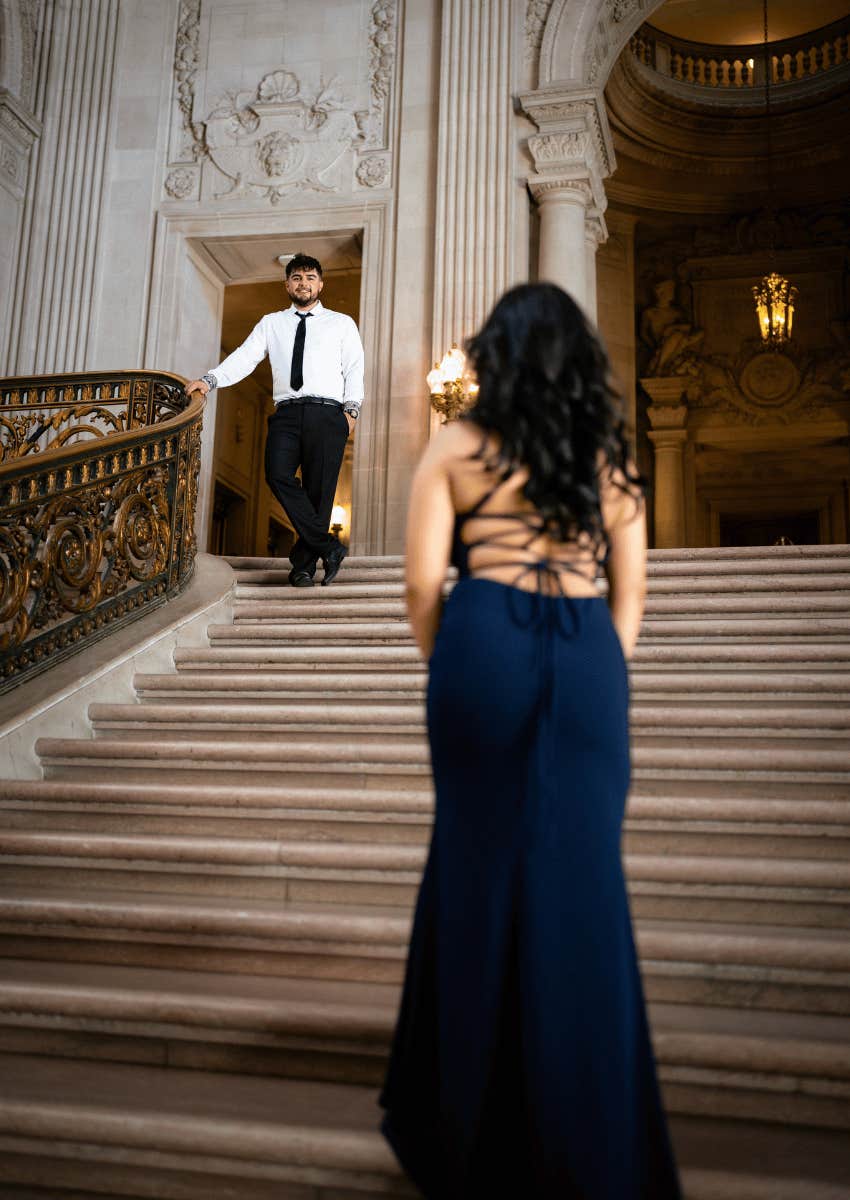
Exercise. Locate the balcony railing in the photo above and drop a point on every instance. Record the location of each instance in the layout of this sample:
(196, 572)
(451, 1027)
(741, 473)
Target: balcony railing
(742, 68)
(98, 485)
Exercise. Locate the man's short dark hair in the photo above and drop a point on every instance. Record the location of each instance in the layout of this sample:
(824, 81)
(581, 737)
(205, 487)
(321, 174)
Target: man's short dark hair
(303, 262)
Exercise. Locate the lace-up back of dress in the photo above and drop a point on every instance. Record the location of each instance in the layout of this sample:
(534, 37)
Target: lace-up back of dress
(502, 538)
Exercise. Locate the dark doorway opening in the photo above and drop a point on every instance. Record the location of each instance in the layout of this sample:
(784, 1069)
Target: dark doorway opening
(760, 529)
(230, 511)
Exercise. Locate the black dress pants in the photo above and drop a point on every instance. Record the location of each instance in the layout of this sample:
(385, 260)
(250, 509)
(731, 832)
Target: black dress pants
(312, 437)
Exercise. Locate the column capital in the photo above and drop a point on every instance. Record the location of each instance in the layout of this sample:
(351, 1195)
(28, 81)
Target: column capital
(666, 439)
(573, 143)
(665, 391)
(550, 190)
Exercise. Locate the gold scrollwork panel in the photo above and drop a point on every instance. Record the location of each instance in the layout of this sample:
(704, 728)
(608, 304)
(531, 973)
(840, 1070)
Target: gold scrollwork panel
(93, 534)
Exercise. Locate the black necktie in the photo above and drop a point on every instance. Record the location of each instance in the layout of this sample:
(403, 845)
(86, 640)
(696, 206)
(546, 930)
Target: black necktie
(296, 374)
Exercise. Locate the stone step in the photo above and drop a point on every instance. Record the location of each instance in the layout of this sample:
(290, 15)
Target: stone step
(809, 629)
(824, 657)
(145, 1131)
(766, 829)
(731, 586)
(826, 721)
(768, 689)
(298, 759)
(771, 967)
(698, 802)
(714, 1058)
(686, 608)
(772, 890)
(256, 937)
(678, 554)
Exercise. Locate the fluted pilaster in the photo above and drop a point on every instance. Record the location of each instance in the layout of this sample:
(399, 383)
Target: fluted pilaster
(52, 305)
(474, 156)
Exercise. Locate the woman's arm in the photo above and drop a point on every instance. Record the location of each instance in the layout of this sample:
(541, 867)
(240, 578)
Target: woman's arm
(430, 524)
(625, 521)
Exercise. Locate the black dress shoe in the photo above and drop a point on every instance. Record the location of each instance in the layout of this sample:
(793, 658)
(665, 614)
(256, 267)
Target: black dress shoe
(332, 563)
(300, 578)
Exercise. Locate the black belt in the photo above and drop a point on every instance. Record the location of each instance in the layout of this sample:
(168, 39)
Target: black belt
(308, 400)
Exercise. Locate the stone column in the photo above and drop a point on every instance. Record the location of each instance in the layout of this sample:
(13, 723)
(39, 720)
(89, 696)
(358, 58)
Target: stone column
(563, 255)
(52, 300)
(616, 283)
(474, 227)
(573, 153)
(668, 415)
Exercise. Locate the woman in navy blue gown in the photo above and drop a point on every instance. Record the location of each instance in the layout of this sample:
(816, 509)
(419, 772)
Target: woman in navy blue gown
(522, 1065)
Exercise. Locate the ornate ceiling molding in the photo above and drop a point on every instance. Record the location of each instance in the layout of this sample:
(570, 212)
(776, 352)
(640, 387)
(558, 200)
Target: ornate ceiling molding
(657, 135)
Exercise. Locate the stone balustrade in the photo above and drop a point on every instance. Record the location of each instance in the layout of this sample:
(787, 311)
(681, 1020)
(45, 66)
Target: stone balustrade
(742, 68)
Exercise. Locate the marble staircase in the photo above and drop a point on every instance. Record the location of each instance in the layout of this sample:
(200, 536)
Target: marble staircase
(203, 921)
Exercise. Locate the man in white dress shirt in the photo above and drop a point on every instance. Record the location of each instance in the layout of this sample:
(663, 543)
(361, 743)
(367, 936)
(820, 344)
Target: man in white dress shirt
(317, 369)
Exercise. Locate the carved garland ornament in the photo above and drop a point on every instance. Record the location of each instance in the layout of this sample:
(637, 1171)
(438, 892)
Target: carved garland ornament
(185, 70)
(382, 50)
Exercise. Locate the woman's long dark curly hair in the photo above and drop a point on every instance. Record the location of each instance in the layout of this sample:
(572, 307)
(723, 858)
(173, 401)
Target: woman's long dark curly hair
(545, 389)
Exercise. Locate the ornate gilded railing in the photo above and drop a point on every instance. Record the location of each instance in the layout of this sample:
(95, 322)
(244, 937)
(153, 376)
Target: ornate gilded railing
(742, 68)
(98, 485)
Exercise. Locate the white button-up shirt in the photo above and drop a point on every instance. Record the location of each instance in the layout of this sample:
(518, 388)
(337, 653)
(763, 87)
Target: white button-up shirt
(333, 355)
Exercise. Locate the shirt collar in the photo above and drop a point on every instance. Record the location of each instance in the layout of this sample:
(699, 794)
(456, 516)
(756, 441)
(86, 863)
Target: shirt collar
(314, 312)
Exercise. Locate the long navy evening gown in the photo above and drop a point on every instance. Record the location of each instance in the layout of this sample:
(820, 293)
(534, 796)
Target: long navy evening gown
(522, 1065)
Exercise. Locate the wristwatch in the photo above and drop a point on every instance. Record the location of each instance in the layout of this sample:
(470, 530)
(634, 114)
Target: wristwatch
(352, 410)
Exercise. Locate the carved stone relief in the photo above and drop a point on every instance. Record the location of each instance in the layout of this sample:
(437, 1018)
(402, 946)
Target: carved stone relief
(745, 383)
(536, 14)
(281, 136)
(18, 131)
(608, 40)
(373, 172)
(382, 56)
(181, 183)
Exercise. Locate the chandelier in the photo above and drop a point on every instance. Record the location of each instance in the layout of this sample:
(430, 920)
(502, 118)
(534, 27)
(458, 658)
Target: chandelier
(452, 390)
(774, 298)
(774, 295)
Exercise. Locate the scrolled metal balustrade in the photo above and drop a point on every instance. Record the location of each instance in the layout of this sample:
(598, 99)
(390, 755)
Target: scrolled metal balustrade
(98, 487)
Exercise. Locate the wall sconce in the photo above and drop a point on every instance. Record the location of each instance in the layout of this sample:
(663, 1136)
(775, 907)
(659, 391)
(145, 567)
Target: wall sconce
(339, 518)
(452, 390)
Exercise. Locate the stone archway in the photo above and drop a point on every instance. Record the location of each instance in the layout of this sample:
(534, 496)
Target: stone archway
(573, 151)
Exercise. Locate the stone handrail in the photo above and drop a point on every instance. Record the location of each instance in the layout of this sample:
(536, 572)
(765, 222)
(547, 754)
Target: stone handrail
(98, 485)
(743, 67)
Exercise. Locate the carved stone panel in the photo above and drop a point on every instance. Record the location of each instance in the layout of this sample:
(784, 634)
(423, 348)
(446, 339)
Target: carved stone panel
(301, 127)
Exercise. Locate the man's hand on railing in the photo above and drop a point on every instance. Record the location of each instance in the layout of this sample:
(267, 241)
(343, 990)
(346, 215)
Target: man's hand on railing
(197, 385)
